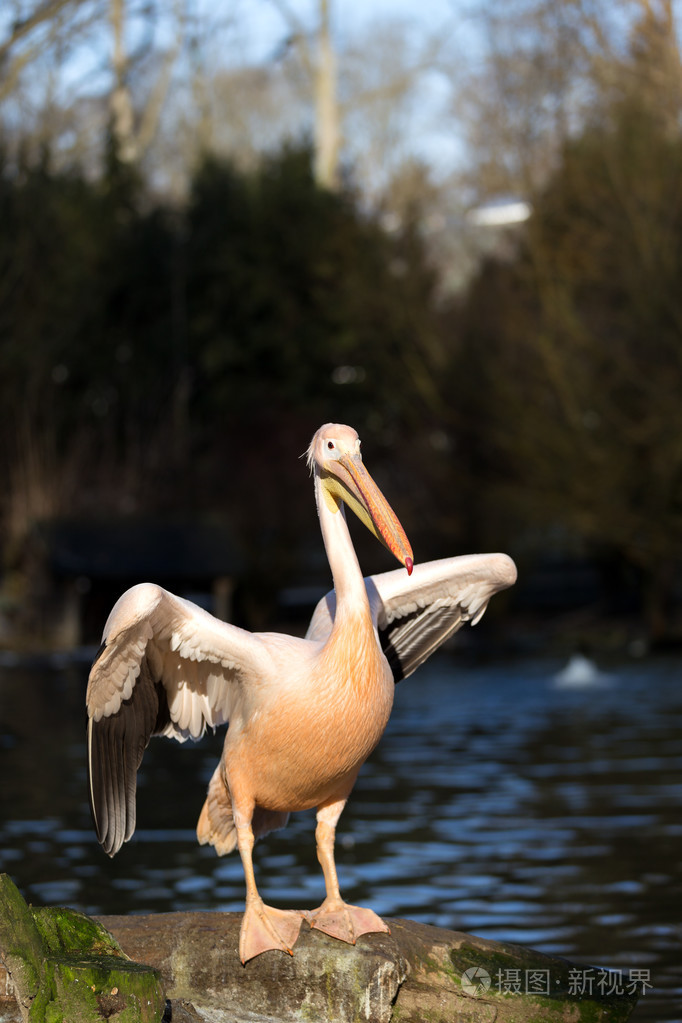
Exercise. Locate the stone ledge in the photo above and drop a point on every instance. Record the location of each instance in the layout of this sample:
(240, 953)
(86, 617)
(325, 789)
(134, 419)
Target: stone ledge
(413, 975)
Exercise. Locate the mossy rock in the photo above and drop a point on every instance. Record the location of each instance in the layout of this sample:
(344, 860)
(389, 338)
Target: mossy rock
(21, 944)
(415, 974)
(474, 979)
(67, 968)
(67, 930)
(81, 989)
(76, 973)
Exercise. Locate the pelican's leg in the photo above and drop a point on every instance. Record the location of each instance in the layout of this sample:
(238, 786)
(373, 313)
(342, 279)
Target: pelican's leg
(335, 916)
(263, 927)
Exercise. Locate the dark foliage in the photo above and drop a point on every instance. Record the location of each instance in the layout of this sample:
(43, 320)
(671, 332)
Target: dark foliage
(177, 360)
(576, 346)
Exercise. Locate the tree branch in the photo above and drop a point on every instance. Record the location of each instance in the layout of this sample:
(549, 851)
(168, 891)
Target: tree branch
(41, 14)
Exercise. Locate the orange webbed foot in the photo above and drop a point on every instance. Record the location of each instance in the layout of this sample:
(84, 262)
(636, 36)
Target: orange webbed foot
(345, 922)
(264, 928)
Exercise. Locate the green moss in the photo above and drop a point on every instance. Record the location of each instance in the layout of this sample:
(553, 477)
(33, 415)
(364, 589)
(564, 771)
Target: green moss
(92, 988)
(70, 969)
(438, 967)
(494, 961)
(67, 930)
(590, 1007)
(21, 945)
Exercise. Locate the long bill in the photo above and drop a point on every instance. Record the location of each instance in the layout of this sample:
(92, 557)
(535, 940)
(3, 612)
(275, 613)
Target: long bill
(347, 479)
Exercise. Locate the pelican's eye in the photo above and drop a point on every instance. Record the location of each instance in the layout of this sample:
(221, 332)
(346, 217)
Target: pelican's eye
(330, 445)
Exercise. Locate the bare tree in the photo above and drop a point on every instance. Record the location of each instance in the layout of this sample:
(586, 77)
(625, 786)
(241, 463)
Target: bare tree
(319, 63)
(120, 100)
(39, 40)
(36, 39)
(28, 32)
(327, 134)
(360, 91)
(170, 81)
(134, 134)
(545, 66)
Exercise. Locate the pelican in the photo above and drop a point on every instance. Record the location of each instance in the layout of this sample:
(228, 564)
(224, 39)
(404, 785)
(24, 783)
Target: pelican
(304, 714)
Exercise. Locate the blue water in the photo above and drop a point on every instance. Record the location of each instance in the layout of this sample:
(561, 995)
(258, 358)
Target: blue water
(499, 802)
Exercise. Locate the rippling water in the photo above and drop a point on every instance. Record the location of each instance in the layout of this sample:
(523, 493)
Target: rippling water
(498, 803)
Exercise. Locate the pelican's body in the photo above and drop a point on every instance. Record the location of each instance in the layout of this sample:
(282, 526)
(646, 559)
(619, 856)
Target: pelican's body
(318, 714)
(304, 714)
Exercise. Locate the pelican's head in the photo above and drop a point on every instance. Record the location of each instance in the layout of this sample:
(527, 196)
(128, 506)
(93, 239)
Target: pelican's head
(334, 456)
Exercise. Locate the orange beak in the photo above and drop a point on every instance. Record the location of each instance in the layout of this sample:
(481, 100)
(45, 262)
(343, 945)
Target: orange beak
(363, 496)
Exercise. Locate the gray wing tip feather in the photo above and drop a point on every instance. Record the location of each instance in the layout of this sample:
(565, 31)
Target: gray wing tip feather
(116, 744)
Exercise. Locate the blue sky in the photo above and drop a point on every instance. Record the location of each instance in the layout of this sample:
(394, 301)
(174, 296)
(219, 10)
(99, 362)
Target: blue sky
(263, 27)
(348, 17)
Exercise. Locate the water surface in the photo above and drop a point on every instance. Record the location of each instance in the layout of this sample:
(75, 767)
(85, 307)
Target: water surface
(498, 803)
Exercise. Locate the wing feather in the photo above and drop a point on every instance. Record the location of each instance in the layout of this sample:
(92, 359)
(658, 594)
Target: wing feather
(415, 637)
(165, 667)
(416, 614)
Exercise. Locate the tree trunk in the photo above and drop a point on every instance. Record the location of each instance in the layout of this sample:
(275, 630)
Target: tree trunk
(121, 103)
(327, 134)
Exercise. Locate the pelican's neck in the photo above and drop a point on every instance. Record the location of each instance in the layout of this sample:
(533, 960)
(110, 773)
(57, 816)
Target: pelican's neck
(351, 595)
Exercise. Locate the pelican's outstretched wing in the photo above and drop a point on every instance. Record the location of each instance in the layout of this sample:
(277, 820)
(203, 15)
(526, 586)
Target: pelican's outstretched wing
(166, 667)
(415, 614)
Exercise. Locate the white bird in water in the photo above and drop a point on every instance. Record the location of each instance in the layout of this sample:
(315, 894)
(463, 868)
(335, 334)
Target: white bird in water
(304, 714)
(580, 671)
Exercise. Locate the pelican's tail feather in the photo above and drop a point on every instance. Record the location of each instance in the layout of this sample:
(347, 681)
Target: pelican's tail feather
(216, 823)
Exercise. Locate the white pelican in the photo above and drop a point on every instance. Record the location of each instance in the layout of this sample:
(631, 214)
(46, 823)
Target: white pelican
(304, 714)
